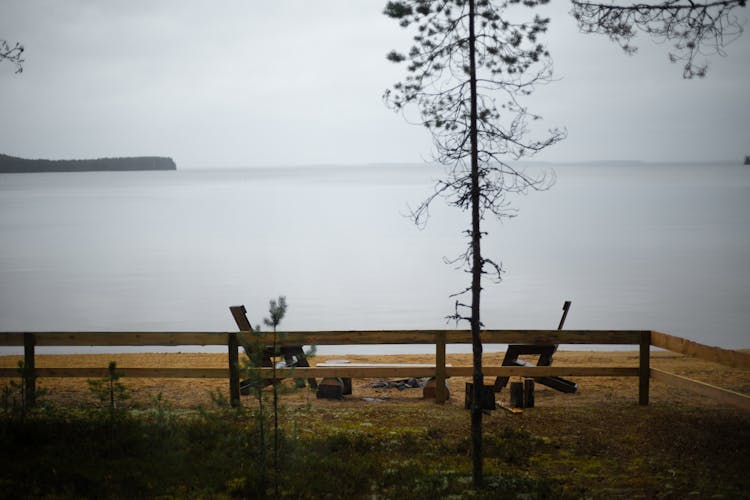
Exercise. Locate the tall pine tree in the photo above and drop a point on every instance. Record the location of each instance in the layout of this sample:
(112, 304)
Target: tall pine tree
(471, 64)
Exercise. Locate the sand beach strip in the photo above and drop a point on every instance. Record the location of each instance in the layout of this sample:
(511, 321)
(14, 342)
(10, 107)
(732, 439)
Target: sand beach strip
(193, 393)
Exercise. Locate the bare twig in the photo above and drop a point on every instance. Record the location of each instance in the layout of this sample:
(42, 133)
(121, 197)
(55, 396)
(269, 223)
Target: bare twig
(693, 28)
(12, 53)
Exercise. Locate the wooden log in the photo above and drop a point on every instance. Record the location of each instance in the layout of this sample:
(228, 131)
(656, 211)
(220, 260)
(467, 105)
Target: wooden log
(727, 357)
(724, 396)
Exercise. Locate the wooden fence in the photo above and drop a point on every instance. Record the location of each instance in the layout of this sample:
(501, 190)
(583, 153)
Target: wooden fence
(644, 339)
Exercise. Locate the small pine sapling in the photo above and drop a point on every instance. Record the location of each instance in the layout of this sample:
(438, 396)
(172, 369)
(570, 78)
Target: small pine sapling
(277, 310)
(109, 389)
(15, 399)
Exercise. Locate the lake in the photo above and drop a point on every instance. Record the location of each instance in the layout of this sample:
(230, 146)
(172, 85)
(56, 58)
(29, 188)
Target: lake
(634, 246)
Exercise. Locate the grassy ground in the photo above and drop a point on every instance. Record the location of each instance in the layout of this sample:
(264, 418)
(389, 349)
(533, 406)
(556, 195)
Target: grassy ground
(408, 451)
(595, 444)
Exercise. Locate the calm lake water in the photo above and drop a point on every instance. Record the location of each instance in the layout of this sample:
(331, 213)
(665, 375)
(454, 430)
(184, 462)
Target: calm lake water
(664, 247)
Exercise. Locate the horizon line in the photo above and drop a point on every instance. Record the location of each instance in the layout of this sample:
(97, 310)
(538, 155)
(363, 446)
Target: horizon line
(428, 163)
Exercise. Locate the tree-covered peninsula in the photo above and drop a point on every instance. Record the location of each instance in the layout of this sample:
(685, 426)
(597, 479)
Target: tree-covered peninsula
(12, 164)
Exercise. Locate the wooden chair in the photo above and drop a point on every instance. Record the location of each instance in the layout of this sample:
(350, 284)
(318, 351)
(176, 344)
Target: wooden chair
(545, 352)
(293, 355)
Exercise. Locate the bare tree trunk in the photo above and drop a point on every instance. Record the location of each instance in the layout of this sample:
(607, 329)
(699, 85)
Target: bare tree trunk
(476, 268)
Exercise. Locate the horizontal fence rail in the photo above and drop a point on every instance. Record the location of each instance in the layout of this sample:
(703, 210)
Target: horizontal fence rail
(644, 339)
(125, 372)
(81, 339)
(455, 371)
(354, 337)
(338, 371)
(539, 337)
(735, 359)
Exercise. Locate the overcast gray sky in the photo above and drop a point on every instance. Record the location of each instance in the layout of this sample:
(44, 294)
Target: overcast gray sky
(292, 82)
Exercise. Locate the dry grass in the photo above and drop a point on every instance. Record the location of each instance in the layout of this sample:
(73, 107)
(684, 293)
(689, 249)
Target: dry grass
(598, 443)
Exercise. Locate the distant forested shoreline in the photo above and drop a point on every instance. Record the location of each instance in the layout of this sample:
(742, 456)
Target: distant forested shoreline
(14, 165)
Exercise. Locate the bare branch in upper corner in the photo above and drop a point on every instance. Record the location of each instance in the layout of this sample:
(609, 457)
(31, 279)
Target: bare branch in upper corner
(692, 28)
(12, 53)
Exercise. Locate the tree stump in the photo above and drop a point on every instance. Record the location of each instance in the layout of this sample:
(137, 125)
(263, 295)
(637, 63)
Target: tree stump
(487, 397)
(430, 388)
(347, 385)
(528, 392)
(522, 393)
(330, 388)
(516, 394)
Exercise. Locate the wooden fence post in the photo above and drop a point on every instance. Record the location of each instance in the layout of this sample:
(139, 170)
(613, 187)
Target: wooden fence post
(234, 370)
(440, 392)
(644, 368)
(29, 367)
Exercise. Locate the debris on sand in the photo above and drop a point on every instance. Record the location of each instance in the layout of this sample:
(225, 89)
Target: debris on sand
(411, 383)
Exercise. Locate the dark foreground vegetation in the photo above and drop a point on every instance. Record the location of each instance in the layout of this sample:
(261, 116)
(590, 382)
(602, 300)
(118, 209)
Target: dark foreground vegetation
(376, 450)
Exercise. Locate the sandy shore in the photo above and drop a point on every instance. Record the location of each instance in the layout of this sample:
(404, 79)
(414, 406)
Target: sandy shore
(192, 393)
